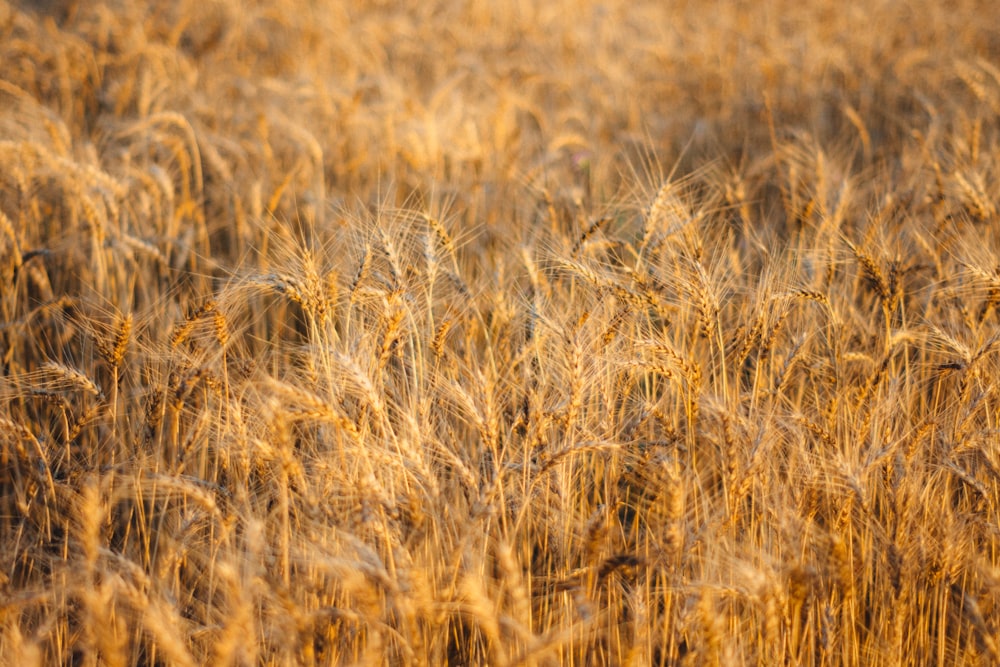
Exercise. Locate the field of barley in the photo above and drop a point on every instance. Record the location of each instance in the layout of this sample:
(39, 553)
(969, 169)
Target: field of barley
(498, 332)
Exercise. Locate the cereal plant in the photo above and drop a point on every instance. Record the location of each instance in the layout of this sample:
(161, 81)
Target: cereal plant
(499, 333)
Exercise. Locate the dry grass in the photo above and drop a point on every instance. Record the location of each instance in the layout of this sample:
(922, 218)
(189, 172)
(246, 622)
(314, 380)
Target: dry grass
(493, 333)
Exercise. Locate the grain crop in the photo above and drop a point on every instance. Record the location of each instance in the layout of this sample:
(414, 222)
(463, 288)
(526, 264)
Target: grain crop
(582, 332)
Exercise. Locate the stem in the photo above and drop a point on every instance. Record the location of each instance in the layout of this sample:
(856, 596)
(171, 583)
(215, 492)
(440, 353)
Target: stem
(114, 410)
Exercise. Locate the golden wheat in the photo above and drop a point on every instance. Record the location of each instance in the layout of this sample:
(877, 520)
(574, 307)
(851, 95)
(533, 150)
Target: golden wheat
(580, 333)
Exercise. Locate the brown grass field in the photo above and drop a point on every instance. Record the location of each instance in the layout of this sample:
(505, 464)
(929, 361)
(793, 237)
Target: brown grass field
(495, 332)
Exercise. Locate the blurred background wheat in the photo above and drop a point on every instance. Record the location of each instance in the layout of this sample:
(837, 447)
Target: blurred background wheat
(508, 333)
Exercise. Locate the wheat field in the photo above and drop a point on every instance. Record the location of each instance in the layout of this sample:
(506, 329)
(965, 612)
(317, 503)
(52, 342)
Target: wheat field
(499, 332)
